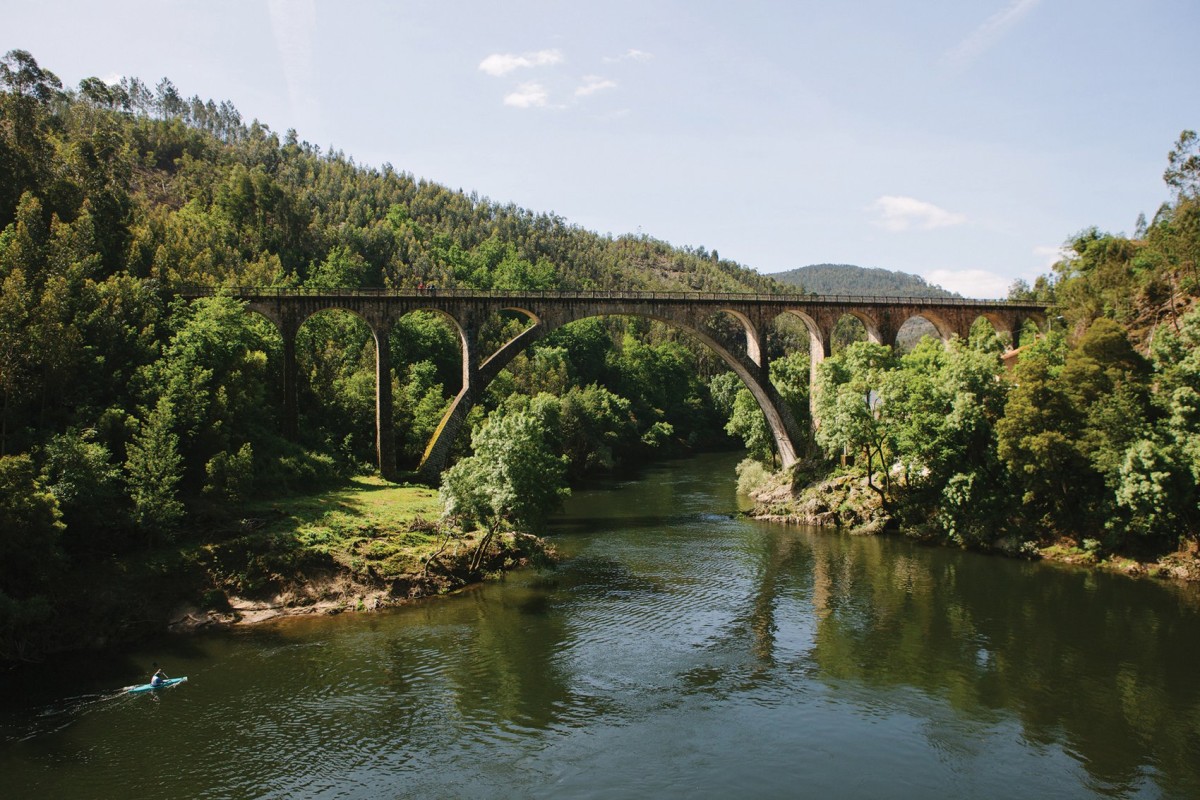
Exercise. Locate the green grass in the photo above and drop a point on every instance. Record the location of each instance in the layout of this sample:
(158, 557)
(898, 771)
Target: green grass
(369, 527)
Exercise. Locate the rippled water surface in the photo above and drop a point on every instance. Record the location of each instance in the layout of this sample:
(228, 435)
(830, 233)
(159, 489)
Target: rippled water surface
(680, 651)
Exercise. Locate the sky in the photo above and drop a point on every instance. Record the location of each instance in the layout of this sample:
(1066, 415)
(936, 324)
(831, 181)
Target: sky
(964, 141)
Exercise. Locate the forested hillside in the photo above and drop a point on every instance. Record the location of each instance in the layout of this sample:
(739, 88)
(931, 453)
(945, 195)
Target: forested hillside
(132, 423)
(849, 279)
(128, 418)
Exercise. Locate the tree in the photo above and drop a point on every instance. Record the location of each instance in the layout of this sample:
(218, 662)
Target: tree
(87, 485)
(849, 406)
(212, 374)
(595, 426)
(29, 553)
(153, 471)
(30, 527)
(20, 74)
(512, 479)
(1183, 166)
(1037, 437)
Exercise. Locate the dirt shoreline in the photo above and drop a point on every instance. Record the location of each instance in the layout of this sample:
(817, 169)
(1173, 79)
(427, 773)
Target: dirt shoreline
(340, 591)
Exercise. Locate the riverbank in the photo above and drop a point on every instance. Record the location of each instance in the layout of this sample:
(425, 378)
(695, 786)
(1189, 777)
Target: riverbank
(363, 546)
(367, 546)
(845, 502)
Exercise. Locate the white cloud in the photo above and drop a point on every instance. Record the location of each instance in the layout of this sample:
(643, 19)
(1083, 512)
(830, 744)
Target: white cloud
(527, 95)
(990, 32)
(499, 64)
(1049, 255)
(593, 84)
(630, 55)
(906, 213)
(974, 283)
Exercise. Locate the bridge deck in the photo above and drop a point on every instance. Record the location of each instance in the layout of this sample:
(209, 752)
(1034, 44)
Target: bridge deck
(791, 299)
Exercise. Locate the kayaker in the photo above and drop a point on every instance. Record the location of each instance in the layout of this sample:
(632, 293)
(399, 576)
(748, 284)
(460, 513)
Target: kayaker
(158, 678)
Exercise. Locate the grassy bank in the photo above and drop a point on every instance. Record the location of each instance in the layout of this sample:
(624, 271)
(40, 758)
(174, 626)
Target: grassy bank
(364, 545)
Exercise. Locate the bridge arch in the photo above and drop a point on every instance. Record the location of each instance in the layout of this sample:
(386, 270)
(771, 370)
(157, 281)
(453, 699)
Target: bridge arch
(752, 370)
(549, 310)
(946, 330)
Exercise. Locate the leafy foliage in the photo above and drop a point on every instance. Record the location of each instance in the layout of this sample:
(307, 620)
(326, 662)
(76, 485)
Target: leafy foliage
(512, 479)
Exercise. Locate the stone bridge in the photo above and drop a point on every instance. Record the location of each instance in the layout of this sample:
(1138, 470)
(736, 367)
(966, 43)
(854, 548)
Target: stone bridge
(693, 312)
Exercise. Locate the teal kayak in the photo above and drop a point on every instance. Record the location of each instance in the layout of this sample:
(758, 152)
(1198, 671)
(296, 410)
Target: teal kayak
(146, 687)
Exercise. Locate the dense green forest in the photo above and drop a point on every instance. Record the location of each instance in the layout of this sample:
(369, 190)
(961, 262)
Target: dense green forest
(131, 421)
(849, 279)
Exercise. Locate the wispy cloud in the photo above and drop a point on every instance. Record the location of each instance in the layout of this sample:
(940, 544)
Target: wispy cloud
(907, 213)
(990, 32)
(293, 23)
(630, 55)
(592, 84)
(528, 95)
(499, 64)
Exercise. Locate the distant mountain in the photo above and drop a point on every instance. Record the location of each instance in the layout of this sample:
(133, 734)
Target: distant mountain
(849, 279)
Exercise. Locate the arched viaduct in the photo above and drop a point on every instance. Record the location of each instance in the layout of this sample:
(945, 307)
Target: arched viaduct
(693, 312)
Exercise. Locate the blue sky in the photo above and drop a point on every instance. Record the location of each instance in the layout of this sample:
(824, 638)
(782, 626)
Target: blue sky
(961, 140)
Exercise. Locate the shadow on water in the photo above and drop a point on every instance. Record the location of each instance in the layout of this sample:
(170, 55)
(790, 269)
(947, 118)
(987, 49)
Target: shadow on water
(32, 698)
(1100, 664)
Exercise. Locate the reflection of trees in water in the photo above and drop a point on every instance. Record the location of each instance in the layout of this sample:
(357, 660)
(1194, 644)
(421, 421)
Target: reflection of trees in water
(486, 662)
(1103, 665)
(781, 562)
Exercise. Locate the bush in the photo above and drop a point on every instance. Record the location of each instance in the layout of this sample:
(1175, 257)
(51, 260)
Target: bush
(751, 475)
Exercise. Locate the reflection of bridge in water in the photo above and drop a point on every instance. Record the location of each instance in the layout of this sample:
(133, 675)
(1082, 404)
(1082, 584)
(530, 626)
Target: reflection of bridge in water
(693, 312)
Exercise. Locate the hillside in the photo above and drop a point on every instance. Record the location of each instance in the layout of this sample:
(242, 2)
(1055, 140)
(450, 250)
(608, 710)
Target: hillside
(133, 424)
(849, 279)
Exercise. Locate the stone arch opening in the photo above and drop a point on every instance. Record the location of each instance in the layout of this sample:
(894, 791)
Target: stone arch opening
(1028, 327)
(336, 356)
(784, 428)
(992, 331)
(794, 345)
(914, 329)
(427, 348)
(736, 332)
(853, 327)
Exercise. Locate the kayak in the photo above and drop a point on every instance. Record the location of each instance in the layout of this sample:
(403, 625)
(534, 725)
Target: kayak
(146, 687)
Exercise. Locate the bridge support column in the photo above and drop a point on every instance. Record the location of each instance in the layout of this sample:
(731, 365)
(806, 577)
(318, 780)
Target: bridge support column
(385, 432)
(291, 406)
(819, 349)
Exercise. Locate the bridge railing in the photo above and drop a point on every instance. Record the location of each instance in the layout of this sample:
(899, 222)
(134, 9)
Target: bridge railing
(810, 298)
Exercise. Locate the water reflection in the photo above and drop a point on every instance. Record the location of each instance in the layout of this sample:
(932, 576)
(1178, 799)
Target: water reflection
(679, 651)
(1099, 664)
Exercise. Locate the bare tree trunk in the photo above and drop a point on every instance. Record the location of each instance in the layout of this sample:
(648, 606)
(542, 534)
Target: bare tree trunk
(441, 549)
(477, 556)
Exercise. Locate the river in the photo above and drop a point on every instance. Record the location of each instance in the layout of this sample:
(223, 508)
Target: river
(679, 651)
